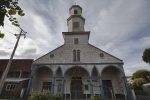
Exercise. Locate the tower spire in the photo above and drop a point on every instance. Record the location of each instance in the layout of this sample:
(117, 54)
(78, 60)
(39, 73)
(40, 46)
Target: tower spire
(75, 22)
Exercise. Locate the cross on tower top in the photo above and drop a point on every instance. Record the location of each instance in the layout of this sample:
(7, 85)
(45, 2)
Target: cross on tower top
(75, 2)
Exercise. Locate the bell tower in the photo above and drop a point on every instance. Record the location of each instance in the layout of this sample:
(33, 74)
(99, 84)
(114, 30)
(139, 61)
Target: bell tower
(75, 22)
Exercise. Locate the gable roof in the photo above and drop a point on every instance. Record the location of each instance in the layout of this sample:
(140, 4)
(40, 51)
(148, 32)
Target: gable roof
(48, 53)
(105, 52)
(17, 64)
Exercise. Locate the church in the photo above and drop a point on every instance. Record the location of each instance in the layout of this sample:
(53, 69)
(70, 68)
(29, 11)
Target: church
(77, 69)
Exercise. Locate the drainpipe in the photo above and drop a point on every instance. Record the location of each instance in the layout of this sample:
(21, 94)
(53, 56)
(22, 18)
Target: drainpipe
(20, 73)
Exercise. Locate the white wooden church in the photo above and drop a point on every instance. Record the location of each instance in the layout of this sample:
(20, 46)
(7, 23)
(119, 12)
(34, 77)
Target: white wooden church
(77, 69)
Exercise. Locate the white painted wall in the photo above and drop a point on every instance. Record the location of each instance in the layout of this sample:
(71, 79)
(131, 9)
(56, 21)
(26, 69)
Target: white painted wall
(75, 19)
(42, 75)
(89, 53)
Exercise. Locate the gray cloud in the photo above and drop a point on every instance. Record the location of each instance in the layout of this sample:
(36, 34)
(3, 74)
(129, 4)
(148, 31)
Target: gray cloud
(119, 27)
(4, 53)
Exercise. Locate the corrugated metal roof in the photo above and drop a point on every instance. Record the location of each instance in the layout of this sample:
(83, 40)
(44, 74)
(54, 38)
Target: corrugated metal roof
(17, 64)
(15, 80)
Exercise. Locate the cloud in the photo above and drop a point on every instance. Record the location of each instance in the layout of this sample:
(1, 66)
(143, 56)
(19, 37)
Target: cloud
(4, 53)
(119, 27)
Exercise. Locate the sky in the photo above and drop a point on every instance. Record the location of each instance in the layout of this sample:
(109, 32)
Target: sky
(119, 27)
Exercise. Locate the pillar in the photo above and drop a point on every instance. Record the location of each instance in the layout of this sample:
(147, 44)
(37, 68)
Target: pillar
(62, 87)
(53, 85)
(91, 86)
(101, 88)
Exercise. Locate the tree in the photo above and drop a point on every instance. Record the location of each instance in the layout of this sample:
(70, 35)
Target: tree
(9, 8)
(137, 83)
(146, 56)
(145, 74)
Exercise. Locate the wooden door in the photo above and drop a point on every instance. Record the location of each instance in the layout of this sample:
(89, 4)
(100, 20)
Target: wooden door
(108, 90)
(76, 88)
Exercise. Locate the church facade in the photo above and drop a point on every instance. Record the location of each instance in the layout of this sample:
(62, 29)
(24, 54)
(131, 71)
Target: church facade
(77, 69)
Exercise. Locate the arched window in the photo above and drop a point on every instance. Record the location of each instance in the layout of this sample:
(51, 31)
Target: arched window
(76, 55)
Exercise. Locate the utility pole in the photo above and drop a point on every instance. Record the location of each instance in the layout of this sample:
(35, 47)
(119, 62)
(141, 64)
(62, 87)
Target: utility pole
(2, 81)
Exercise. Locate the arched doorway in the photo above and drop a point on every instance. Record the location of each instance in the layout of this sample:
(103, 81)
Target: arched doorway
(76, 79)
(42, 79)
(113, 84)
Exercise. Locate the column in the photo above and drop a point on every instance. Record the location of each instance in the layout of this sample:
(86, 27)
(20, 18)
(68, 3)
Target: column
(128, 92)
(62, 87)
(29, 86)
(101, 88)
(91, 86)
(53, 85)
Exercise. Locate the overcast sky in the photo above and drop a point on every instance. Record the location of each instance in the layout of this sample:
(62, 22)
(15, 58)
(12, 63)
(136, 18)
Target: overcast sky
(119, 27)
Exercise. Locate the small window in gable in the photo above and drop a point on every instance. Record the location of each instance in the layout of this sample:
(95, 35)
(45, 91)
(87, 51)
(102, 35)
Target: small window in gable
(76, 41)
(51, 55)
(75, 12)
(74, 55)
(78, 55)
(75, 24)
(101, 55)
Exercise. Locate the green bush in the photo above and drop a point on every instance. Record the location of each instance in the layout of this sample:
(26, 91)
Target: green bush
(56, 97)
(137, 83)
(39, 96)
(139, 92)
(44, 96)
(94, 97)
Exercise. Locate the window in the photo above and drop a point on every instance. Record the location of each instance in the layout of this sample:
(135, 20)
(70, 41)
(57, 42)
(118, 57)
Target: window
(86, 87)
(76, 55)
(101, 55)
(47, 86)
(75, 12)
(75, 24)
(11, 87)
(75, 40)
(51, 55)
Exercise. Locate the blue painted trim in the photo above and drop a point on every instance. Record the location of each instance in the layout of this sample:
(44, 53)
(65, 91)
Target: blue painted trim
(53, 85)
(91, 86)
(76, 63)
(62, 87)
(101, 88)
(29, 86)
(124, 78)
(39, 66)
(96, 70)
(57, 70)
(79, 67)
(111, 67)
(100, 83)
